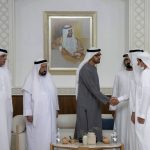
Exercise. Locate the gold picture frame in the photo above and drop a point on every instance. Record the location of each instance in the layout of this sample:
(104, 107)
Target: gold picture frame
(67, 35)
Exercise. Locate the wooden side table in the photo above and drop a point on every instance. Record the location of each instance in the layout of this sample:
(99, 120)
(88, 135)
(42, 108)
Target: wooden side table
(80, 146)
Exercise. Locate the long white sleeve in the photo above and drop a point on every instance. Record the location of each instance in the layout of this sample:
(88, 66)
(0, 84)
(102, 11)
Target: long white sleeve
(57, 104)
(27, 104)
(115, 92)
(145, 105)
(123, 98)
(121, 88)
(132, 94)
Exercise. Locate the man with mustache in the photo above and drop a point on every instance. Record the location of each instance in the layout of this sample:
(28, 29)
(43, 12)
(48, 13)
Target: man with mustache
(121, 89)
(40, 105)
(88, 95)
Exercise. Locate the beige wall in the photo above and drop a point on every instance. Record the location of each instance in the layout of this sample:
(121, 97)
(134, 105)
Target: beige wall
(119, 27)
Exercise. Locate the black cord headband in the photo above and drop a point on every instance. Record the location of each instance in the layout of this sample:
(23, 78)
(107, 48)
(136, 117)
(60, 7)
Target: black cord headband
(40, 62)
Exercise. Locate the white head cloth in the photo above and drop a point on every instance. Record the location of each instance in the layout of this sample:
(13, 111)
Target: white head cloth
(145, 57)
(3, 51)
(33, 84)
(126, 55)
(88, 56)
(133, 55)
(5, 79)
(69, 43)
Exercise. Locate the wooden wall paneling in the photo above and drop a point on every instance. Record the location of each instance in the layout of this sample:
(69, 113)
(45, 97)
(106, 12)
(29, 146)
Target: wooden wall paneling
(67, 105)
(17, 105)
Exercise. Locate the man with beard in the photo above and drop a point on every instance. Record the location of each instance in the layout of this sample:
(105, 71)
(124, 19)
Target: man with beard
(121, 89)
(40, 105)
(134, 95)
(6, 109)
(88, 95)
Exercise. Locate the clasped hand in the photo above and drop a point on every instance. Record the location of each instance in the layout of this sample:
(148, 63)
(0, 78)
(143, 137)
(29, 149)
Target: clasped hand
(141, 120)
(113, 101)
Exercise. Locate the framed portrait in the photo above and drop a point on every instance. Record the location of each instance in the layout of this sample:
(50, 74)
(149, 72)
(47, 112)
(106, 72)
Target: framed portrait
(67, 35)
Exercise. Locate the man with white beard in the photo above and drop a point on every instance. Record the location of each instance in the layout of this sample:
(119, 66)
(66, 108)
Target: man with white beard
(40, 105)
(68, 43)
(121, 90)
(143, 109)
(6, 109)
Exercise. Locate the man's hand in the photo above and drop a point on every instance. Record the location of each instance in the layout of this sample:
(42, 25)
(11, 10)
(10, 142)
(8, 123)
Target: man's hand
(29, 119)
(114, 114)
(114, 101)
(140, 120)
(133, 117)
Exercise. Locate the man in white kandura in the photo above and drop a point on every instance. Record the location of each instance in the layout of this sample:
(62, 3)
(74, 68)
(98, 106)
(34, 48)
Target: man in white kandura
(121, 89)
(135, 94)
(6, 109)
(143, 109)
(40, 105)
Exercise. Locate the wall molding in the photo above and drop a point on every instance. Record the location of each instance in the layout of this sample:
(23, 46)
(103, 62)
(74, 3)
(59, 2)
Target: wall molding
(64, 91)
(12, 52)
(139, 24)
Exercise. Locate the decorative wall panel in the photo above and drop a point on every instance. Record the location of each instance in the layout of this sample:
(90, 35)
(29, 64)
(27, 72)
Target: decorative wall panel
(138, 24)
(4, 24)
(7, 31)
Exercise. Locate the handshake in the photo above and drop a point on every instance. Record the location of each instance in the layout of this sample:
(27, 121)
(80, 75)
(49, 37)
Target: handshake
(113, 101)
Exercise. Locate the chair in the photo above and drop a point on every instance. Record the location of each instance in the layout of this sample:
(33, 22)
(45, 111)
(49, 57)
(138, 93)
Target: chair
(18, 133)
(66, 124)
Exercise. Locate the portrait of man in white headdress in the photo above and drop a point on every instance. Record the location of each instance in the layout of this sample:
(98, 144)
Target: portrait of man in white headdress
(68, 40)
(68, 44)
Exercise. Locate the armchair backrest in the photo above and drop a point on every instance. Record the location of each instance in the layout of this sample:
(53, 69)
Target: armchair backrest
(18, 124)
